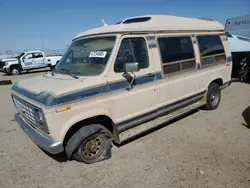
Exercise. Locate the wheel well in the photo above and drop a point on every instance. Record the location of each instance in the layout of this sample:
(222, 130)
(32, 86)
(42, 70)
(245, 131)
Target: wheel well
(218, 81)
(101, 119)
(16, 66)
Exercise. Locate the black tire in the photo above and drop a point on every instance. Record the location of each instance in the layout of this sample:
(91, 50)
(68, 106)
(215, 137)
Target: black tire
(90, 144)
(213, 96)
(51, 68)
(5, 82)
(15, 71)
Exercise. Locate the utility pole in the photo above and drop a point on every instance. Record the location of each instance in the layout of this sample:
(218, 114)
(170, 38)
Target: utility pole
(42, 41)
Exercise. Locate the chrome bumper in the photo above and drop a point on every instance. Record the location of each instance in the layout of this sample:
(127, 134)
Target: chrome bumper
(43, 142)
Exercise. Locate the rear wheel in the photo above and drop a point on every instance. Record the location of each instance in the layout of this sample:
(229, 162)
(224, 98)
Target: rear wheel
(15, 71)
(92, 144)
(213, 96)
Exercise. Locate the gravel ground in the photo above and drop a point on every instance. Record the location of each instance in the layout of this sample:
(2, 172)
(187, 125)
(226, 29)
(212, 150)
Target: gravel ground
(203, 149)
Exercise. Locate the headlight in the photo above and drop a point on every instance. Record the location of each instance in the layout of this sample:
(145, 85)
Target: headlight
(6, 64)
(41, 122)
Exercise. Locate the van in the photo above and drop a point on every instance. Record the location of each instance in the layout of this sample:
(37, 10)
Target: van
(118, 81)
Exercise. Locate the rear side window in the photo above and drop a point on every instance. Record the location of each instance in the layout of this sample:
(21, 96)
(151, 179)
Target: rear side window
(38, 55)
(211, 49)
(132, 50)
(177, 54)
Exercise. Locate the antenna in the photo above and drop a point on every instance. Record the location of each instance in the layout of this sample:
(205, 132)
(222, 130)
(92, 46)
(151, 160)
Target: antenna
(104, 23)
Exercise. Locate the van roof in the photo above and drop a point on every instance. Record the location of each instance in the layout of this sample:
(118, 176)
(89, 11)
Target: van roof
(155, 23)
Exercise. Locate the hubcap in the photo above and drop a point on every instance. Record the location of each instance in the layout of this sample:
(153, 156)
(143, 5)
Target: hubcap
(15, 72)
(214, 98)
(92, 146)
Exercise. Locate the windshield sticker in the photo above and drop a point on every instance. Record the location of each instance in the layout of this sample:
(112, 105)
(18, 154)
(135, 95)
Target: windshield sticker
(100, 54)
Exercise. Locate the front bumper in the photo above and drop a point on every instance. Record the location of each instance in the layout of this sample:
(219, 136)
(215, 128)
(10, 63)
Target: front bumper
(43, 142)
(2, 70)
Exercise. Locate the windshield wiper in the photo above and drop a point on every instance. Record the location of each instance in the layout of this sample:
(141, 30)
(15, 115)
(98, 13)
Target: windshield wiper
(67, 71)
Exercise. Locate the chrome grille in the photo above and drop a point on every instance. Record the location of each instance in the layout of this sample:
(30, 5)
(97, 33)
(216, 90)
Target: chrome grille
(27, 111)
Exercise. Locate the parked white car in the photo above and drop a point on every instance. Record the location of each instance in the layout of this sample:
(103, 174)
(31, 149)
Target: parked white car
(28, 61)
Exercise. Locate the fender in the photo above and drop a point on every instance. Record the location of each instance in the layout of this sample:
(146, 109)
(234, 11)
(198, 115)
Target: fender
(80, 117)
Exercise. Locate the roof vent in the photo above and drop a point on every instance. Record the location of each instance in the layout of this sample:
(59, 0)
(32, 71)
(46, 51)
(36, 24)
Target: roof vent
(207, 19)
(136, 20)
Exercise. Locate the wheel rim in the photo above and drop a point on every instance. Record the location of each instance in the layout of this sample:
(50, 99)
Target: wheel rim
(15, 72)
(214, 97)
(92, 147)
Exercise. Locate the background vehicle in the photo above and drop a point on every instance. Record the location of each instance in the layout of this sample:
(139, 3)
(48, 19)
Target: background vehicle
(238, 34)
(28, 61)
(244, 70)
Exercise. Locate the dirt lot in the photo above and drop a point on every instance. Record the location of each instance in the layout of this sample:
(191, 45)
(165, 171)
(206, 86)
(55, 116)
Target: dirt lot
(203, 149)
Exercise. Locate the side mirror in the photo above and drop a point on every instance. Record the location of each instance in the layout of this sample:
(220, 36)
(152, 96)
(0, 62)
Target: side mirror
(132, 67)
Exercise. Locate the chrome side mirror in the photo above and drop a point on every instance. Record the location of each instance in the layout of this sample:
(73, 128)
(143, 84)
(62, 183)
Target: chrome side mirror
(132, 67)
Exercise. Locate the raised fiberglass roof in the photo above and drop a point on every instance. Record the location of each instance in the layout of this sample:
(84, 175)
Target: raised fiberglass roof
(155, 23)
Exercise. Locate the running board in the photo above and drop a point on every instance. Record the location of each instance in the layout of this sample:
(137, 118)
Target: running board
(140, 129)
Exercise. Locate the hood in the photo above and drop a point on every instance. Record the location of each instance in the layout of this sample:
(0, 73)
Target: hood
(9, 59)
(51, 90)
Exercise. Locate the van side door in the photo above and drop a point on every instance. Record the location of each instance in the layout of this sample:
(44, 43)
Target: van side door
(126, 104)
(27, 61)
(180, 65)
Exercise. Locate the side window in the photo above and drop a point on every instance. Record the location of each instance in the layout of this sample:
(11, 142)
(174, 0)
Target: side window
(132, 50)
(37, 55)
(28, 56)
(177, 54)
(211, 50)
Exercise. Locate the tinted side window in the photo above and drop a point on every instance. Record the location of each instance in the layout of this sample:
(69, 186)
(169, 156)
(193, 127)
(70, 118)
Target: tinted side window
(132, 50)
(211, 50)
(177, 54)
(210, 45)
(176, 48)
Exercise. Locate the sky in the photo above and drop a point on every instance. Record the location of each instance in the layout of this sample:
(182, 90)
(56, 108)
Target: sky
(23, 23)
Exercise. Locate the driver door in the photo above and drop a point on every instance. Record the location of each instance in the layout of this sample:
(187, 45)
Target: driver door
(142, 98)
(27, 61)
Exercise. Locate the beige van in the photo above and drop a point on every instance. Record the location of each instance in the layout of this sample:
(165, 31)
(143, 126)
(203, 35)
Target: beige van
(118, 81)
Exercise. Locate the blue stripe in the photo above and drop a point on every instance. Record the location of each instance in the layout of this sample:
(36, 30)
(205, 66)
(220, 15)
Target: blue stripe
(152, 45)
(199, 66)
(49, 100)
(229, 59)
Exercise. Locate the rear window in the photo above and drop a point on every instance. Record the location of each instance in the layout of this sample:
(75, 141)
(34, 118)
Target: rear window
(211, 50)
(210, 45)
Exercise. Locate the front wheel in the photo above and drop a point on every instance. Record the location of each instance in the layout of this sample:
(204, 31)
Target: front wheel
(213, 96)
(15, 71)
(91, 144)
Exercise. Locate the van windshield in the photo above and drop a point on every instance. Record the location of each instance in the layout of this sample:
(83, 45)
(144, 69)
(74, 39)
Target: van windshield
(86, 57)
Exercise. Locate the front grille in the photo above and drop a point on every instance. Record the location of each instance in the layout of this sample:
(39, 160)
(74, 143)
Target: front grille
(27, 111)
(2, 64)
